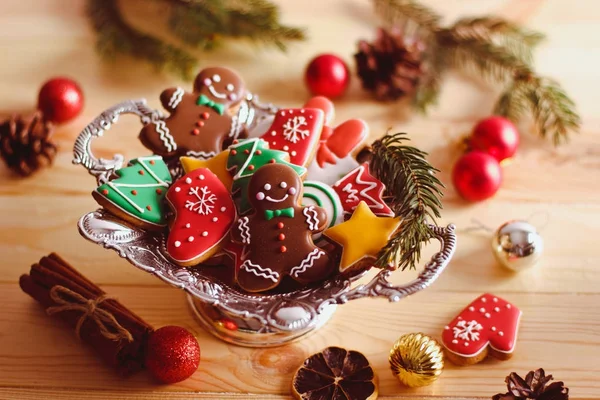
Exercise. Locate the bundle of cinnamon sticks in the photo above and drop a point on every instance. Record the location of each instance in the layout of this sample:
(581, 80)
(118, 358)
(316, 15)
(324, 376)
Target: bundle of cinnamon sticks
(116, 334)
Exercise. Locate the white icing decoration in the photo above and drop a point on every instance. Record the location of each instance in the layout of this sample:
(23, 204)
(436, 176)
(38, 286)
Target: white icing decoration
(500, 333)
(312, 218)
(283, 185)
(205, 203)
(447, 327)
(487, 315)
(163, 133)
(191, 239)
(205, 233)
(292, 191)
(482, 310)
(321, 195)
(467, 330)
(352, 197)
(216, 78)
(177, 243)
(203, 155)
(267, 186)
(292, 129)
(293, 153)
(493, 329)
(201, 177)
(178, 189)
(176, 98)
(230, 87)
(215, 219)
(497, 309)
(272, 200)
(483, 299)
(188, 225)
(307, 263)
(369, 186)
(471, 308)
(259, 271)
(495, 299)
(454, 341)
(188, 180)
(241, 170)
(260, 196)
(244, 230)
(466, 344)
(508, 306)
(223, 209)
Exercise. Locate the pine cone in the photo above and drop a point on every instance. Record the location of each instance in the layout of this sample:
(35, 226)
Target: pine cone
(533, 387)
(391, 66)
(25, 143)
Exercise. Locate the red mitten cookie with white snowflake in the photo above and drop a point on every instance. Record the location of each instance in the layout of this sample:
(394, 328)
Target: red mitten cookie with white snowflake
(297, 131)
(359, 185)
(488, 325)
(204, 213)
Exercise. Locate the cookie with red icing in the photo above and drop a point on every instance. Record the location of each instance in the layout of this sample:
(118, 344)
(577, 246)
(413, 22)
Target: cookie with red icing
(359, 185)
(489, 325)
(204, 214)
(278, 235)
(200, 122)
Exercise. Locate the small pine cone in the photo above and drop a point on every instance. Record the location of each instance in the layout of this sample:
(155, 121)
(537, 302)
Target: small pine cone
(391, 66)
(25, 143)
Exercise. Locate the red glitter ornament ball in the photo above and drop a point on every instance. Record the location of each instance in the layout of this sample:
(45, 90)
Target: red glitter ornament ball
(496, 136)
(327, 75)
(60, 99)
(477, 176)
(173, 354)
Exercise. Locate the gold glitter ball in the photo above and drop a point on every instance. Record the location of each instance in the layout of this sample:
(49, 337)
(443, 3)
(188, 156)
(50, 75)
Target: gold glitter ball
(416, 359)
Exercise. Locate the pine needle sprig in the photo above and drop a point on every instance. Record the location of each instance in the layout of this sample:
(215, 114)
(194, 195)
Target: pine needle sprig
(116, 37)
(499, 51)
(414, 194)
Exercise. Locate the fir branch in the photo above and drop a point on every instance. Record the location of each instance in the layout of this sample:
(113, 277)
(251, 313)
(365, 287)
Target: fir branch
(511, 104)
(464, 51)
(116, 37)
(394, 11)
(414, 192)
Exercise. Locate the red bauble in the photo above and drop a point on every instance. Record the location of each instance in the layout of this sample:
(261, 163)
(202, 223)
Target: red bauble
(173, 354)
(327, 75)
(496, 136)
(60, 99)
(477, 176)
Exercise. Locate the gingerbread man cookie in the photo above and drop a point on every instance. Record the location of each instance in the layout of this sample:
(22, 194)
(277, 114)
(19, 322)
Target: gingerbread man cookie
(199, 122)
(278, 234)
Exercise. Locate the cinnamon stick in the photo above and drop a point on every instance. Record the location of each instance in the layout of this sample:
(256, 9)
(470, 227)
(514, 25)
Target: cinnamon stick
(116, 334)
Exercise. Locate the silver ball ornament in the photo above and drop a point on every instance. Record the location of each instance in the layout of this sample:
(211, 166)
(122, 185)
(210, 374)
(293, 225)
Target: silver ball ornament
(517, 245)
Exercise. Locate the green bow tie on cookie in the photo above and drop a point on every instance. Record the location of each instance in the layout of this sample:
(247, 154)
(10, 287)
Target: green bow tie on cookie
(205, 101)
(286, 212)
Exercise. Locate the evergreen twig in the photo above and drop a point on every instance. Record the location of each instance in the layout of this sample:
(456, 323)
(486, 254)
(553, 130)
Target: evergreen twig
(414, 194)
(500, 51)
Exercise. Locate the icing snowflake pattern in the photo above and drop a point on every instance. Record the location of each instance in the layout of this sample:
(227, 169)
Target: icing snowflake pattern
(467, 330)
(292, 129)
(206, 200)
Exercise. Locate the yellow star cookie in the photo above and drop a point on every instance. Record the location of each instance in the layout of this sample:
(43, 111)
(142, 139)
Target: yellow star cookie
(217, 164)
(362, 236)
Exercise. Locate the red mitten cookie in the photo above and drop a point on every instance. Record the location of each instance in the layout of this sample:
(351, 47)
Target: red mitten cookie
(204, 213)
(488, 325)
(359, 185)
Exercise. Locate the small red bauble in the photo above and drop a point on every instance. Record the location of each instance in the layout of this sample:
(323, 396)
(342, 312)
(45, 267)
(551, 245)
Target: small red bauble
(477, 176)
(173, 354)
(327, 75)
(60, 99)
(496, 136)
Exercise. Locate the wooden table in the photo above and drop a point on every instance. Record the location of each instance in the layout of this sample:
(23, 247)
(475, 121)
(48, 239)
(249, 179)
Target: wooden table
(559, 298)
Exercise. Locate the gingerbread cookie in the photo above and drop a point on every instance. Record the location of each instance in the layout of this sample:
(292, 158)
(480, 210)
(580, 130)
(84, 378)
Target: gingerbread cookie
(362, 236)
(359, 185)
(137, 194)
(489, 325)
(279, 232)
(199, 122)
(296, 131)
(245, 158)
(204, 214)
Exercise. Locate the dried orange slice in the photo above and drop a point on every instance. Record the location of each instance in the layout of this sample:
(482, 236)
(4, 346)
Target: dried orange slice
(336, 374)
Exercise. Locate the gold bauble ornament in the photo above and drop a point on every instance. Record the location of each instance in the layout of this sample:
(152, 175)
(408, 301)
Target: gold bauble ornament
(517, 245)
(416, 359)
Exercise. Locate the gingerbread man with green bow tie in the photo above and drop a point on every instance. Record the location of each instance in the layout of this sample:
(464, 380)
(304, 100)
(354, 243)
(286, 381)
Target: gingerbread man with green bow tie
(200, 122)
(278, 235)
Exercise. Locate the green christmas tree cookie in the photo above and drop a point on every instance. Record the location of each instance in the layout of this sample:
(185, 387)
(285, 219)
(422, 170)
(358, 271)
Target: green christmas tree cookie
(245, 158)
(137, 195)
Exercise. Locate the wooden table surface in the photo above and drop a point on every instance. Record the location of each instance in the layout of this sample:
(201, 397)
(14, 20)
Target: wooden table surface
(555, 188)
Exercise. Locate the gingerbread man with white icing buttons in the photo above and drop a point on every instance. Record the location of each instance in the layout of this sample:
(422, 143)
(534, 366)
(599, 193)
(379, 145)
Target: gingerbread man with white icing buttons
(278, 235)
(200, 122)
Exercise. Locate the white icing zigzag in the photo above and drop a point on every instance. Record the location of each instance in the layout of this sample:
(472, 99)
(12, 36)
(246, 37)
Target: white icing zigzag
(312, 218)
(176, 98)
(164, 133)
(307, 263)
(259, 271)
(244, 230)
(202, 155)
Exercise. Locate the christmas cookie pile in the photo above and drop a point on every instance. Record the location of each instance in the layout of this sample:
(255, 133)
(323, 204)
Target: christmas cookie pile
(288, 202)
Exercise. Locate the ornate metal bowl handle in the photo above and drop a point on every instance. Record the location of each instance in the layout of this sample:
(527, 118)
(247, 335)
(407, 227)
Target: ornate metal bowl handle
(379, 286)
(82, 152)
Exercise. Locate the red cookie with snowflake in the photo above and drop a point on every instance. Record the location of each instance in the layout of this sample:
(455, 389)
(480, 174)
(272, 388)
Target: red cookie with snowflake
(359, 185)
(488, 325)
(297, 131)
(204, 213)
